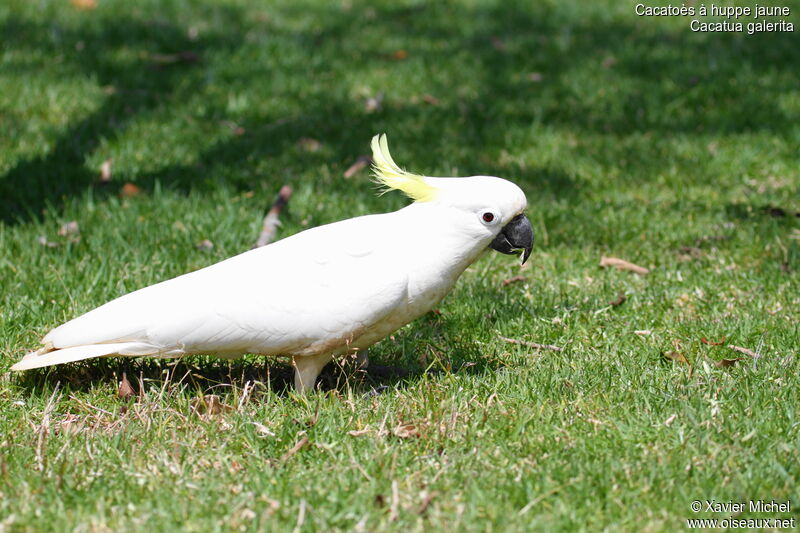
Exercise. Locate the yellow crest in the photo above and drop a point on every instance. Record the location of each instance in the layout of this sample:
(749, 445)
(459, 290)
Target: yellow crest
(391, 176)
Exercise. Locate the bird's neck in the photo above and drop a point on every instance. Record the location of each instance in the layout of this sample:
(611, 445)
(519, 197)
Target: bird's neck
(443, 249)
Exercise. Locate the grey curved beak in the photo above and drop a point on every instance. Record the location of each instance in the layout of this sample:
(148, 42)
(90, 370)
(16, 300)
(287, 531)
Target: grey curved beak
(515, 237)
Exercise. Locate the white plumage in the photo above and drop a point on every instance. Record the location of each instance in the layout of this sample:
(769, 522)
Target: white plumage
(320, 293)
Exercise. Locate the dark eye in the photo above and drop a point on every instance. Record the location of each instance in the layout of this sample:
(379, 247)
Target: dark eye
(488, 217)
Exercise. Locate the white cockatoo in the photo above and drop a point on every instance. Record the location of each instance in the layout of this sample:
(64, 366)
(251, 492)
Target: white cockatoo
(323, 292)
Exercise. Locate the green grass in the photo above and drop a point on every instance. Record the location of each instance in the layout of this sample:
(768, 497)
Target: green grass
(632, 137)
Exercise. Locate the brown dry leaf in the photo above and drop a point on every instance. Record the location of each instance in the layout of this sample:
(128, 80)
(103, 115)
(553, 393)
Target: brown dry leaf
(210, 404)
(374, 103)
(712, 343)
(84, 4)
(125, 390)
(406, 430)
(515, 279)
(48, 243)
(498, 44)
(308, 144)
(234, 127)
(609, 61)
(430, 99)
(677, 357)
(689, 253)
(619, 300)
(725, 363)
(360, 164)
(187, 56)
(68, 228)
(399, 55)
(105, 171)
(359, 432)
(621, 264)
(129, 190)
(205, 244)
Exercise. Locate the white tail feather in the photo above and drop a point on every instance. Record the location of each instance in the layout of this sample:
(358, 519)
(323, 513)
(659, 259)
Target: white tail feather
(79, 353)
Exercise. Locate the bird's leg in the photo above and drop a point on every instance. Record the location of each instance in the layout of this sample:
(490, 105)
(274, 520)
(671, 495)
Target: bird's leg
(306, 370)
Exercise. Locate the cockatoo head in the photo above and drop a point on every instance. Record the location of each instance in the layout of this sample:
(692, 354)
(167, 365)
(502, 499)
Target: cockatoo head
(489, 208)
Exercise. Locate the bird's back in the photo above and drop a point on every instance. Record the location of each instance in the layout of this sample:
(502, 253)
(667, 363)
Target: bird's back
(323, 283)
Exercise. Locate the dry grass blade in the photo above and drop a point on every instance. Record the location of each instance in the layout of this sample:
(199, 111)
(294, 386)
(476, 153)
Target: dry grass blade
(68, 228)
(210, 404)
(299, 445)
(186, 56)
(534, 345)
(621, 264)
(263, 430)
(105, 171)
(406, 430)
(43, 431)
(394, 509)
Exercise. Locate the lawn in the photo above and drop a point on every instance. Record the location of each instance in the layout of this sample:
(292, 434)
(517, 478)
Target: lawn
(633, 137)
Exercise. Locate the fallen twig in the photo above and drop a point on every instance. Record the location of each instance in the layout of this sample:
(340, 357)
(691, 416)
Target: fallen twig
(515, 279)
(393, 509)
(745, 351)
(621, 264)
(427, 498)
(534, 345)
(271, 222)
(360, 163)
(299, 445)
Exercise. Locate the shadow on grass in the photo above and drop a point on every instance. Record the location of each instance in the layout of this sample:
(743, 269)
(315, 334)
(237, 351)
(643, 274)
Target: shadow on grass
(537, 64)
(209, 375)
